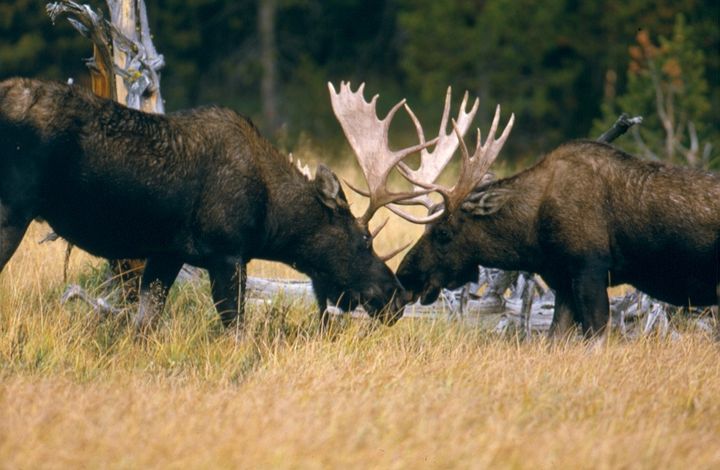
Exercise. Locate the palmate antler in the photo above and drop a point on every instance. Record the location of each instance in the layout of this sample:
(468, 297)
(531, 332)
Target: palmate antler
(368, 137)
(433, 163)
(472, 170)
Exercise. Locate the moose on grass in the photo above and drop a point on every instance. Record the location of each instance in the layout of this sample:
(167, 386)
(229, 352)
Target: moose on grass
(201, 187)
(585, 217)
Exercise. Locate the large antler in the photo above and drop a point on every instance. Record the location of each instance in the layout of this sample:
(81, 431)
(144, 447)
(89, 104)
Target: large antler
(472, 170)
(433, 163)
(368, 136)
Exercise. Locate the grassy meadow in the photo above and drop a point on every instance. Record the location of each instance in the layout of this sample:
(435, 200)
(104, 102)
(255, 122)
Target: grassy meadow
(82, 392)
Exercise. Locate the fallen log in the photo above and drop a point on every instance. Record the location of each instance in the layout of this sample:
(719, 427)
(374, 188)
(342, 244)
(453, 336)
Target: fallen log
(633, 314)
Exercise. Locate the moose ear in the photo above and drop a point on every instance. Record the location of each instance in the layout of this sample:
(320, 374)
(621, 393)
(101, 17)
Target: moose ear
(328, 188)
(486, 202)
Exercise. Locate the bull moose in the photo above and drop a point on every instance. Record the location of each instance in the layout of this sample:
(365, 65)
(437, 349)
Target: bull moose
(201, 187)
(585, 217)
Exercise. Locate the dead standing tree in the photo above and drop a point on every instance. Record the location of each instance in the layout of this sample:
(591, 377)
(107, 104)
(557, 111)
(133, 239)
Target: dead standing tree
(124, 67)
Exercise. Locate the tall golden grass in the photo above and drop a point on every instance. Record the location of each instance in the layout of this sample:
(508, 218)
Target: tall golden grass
(79, 391)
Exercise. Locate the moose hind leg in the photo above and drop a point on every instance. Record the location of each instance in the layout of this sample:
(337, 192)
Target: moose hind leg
(228, 279)
(159, 274)
(12, 228)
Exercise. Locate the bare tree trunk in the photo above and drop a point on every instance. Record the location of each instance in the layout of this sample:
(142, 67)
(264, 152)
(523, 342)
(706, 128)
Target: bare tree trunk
(122, 15)
(136, 59)
(101, 76)
(268, 60)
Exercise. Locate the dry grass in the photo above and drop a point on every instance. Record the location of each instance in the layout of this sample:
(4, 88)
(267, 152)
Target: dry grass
(79, 392)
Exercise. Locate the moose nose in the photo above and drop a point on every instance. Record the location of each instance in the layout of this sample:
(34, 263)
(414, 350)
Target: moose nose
(409, 296)
(430, 295)
(400, 301)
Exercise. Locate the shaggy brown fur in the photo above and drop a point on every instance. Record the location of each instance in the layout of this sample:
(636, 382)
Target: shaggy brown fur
(586, 217)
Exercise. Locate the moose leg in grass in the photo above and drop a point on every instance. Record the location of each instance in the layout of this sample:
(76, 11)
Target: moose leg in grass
(125, 67)
(13, 224)
(523, 285)
(228, 281)
(159, 274)
(585, 217)
(200, 186)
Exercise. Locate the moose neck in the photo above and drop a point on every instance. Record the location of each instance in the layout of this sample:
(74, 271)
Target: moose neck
(294, 217)
(507, 238)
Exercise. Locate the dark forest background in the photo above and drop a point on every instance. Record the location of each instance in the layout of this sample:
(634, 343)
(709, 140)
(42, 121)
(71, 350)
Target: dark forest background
(566, 68)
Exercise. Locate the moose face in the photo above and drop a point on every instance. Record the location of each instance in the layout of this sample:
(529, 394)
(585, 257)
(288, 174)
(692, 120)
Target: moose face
(347, 271)
(440, 259)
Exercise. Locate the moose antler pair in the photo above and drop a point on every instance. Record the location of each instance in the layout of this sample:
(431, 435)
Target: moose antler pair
(368, 137)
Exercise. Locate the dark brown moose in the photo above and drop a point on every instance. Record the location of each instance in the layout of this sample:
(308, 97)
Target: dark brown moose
(585, 217)
(201, 187)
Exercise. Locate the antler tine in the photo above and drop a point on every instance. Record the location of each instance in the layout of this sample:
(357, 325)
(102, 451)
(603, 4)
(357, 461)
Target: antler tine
(415, 219)
(424, 154)
(390, 115)
(377, 229)
(465, 162)
(416, 122)
(359, 191)
(368, 136)
(493, 126)
(489, 151)
(465, 118)
(427, 188)
(446, 110)
(393, 253)
(380, 195)
(499, 143)
(433, 163)
(474, 167)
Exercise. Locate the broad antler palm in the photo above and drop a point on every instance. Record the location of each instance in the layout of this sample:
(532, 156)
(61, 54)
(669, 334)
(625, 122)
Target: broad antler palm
(368, 137)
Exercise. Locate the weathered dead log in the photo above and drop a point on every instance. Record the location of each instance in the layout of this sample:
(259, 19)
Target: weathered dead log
(633, 314)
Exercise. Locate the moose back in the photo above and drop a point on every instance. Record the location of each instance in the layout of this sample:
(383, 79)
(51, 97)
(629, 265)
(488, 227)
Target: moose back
(200, 187)
(585, 217)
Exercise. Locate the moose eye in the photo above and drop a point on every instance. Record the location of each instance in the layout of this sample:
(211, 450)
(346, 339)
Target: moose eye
(367, 240)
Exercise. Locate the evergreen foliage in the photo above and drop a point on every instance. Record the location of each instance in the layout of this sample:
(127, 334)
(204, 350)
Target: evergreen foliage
(667, 85)
(559, 65)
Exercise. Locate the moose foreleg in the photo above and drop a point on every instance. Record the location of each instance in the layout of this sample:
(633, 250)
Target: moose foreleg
(563, 318)
(158, 276)
(229, 280)
(322, 301)
(12, 229)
